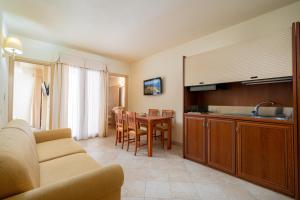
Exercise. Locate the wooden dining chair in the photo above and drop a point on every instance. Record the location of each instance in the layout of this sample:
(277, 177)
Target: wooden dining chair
(133, 129)
(121, 129)
(162, 128)
(153, 112)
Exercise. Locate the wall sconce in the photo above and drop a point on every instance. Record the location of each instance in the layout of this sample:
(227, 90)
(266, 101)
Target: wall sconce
(12, 46)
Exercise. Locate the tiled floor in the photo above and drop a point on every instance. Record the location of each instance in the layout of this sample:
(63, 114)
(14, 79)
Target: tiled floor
(168, 176)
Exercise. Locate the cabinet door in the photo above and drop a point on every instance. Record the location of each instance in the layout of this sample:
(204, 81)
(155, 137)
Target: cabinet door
(195, 139)
(264, 155)
(260, 57)
(221, 144)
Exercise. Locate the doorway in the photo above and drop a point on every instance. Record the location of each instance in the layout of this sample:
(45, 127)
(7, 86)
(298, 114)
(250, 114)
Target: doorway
(30, 93)
(117, 95)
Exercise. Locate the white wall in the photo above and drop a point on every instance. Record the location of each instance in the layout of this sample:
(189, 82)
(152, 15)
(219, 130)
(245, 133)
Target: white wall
(45, 51)
(168, 64)
(3, 76)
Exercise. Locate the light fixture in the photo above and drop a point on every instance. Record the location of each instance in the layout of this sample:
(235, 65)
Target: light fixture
(12, 46)
(121, 81)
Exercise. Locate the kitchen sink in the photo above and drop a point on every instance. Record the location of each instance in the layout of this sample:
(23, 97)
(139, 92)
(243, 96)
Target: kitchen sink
(271, 117)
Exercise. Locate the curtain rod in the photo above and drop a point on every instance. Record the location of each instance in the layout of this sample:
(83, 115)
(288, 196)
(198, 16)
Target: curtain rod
(59, 62)
(33, 61)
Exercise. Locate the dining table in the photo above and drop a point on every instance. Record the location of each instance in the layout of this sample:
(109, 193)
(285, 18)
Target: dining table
(150, 122)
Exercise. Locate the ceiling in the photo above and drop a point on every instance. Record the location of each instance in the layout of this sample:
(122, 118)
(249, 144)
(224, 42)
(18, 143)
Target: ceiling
(127, 29)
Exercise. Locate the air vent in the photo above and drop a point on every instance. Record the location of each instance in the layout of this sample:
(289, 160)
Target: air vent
(269, 80)
(203, 88)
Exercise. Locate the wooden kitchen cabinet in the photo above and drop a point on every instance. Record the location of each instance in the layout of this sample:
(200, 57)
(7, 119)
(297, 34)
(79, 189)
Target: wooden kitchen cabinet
(221, 144)
(265, 155)
(195, 139)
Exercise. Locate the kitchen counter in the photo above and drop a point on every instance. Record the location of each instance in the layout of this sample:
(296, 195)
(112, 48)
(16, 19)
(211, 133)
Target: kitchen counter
(242, 117)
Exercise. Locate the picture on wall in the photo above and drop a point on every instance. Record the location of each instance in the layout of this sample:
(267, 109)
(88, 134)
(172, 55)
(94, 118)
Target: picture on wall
(153, 86)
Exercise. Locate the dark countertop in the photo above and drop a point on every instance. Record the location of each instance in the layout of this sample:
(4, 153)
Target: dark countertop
(241, 117)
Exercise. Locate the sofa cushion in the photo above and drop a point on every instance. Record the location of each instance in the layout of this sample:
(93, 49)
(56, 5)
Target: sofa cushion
(57, 148)
(65, 167)
(19, 166)
(54, 134)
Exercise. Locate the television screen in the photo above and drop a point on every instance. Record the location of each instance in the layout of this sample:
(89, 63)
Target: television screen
(153, 86)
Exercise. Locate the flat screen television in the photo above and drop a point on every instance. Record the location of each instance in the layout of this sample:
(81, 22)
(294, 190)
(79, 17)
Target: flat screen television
(153, 86)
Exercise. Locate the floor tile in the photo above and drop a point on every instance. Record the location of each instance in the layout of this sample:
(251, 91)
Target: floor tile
(210, 191)
(134, 189)
(158, 189)
(183, 190)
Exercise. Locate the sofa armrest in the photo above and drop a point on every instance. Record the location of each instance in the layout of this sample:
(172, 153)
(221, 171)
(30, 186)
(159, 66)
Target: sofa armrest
(100, 184)
(44, 136)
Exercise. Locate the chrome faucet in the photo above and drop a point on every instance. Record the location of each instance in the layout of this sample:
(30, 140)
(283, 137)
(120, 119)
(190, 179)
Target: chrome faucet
(255, 112)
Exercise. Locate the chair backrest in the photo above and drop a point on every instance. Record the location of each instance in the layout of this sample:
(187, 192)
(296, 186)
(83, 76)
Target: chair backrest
(130, 119)
(113, 114)
(119, 118)
(168, 113)
(153, 112)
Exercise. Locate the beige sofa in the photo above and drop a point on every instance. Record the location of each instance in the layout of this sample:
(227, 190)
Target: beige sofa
(50, 165)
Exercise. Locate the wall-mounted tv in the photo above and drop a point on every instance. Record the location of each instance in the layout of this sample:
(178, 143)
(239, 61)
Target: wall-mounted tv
(153, 86)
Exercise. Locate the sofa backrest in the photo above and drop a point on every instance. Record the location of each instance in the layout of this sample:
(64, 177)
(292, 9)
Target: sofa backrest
(19, 166)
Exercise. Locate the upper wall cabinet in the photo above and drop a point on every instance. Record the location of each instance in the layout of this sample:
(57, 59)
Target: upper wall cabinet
(259, 58)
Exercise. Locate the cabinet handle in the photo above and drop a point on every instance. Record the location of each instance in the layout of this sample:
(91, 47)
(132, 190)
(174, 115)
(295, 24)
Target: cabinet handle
(253, 77)
(201, 83)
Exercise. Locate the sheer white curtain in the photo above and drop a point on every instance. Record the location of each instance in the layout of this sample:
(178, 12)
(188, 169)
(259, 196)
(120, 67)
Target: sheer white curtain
(75, 101)
(93, 102)
(60, 96)
(103, 103)
(87, 113)
(80, 100)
